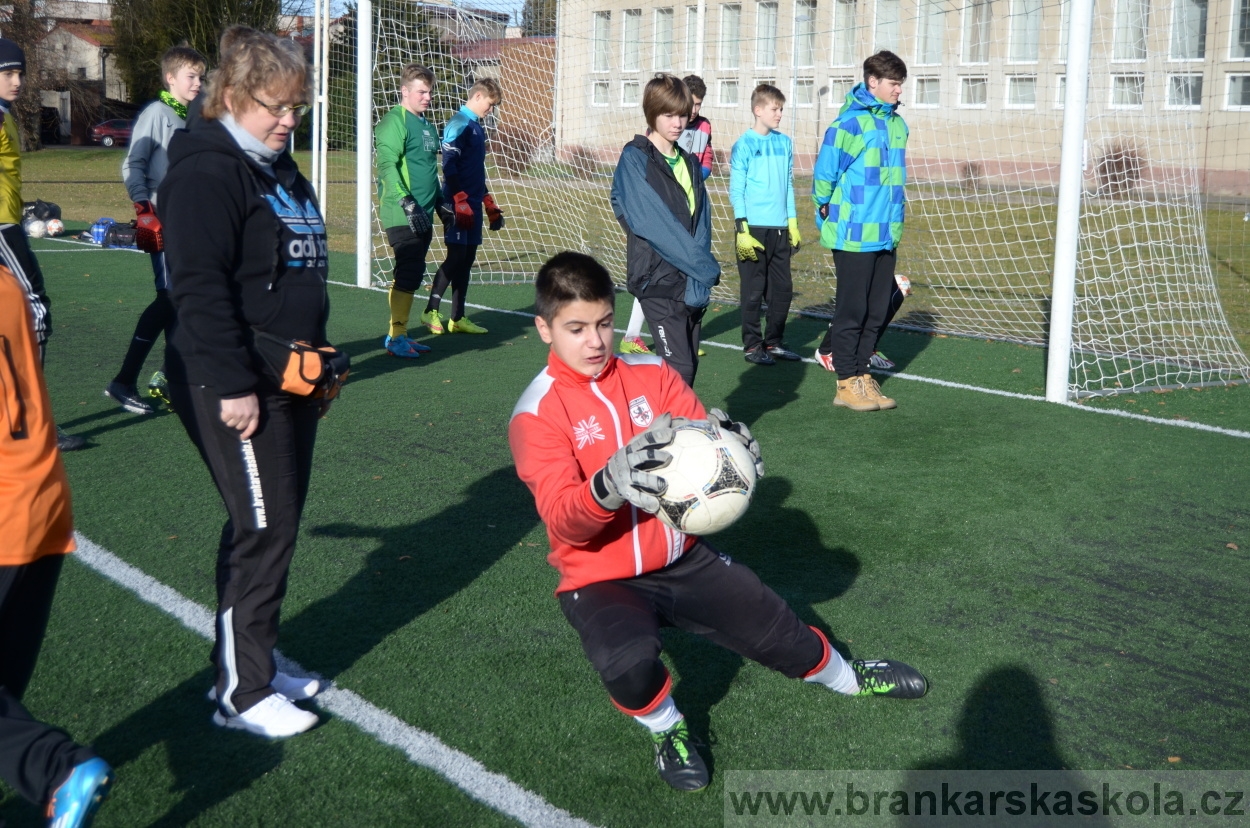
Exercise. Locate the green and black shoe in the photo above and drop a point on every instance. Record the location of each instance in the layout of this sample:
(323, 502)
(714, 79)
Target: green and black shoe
(678, 761)
(889, 678)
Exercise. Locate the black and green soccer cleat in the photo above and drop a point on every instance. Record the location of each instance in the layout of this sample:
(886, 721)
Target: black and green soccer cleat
(678, 761)
(889, 678)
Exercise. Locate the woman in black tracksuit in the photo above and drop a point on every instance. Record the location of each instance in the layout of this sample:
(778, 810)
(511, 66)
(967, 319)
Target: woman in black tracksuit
(246, 247)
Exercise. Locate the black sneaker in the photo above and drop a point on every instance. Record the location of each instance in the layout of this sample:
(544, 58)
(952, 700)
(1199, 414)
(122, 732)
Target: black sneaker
(889, 678)
(680, 765)
(127, 396)
(782, 352)
(69, 442)
(758, 356)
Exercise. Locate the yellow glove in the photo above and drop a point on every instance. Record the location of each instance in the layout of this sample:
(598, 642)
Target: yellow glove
(796, 239)
(746, 243)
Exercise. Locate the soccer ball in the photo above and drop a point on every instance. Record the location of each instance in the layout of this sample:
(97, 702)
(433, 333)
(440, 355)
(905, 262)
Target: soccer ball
(710, 479)
(55, 227)
(36, 229)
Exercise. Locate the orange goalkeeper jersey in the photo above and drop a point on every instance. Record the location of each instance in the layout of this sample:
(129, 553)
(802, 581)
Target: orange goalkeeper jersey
(563, 430)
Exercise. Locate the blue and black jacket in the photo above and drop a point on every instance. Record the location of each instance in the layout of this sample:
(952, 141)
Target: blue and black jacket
(464, 157)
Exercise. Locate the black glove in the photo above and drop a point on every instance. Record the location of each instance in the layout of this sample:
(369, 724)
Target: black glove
(743, 433)
(627, 477)
(445, 214)
(418, 219)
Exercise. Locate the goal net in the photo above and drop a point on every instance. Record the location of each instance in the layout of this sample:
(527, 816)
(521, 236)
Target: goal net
(1162, 247)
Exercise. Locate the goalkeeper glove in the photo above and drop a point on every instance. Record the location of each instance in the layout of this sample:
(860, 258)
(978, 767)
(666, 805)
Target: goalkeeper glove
(746, 243)
(796, 238)
(463, 211)
(418, 219)
(445, 213)
(627, 477)
(743, 433)
(148, 235)
(493, 213)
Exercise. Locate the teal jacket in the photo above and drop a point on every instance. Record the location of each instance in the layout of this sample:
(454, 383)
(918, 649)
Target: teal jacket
(407, 165)
(860, 173)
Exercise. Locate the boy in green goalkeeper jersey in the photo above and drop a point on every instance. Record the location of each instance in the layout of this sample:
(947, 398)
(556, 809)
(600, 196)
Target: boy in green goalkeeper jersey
(408, 191)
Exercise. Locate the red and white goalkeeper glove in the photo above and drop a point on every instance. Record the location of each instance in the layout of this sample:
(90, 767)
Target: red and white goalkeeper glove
(148, 234)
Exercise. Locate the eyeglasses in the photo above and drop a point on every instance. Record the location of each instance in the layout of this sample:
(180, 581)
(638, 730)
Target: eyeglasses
(279, 110)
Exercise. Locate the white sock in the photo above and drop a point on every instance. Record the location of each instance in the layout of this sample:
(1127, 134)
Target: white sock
(662, 718)
(634, 329)
(837, 675)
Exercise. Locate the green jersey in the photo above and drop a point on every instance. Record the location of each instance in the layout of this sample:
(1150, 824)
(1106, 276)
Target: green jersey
(407, 159)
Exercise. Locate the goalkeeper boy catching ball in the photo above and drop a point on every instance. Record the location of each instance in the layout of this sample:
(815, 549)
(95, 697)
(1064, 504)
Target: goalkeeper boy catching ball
(586, 437)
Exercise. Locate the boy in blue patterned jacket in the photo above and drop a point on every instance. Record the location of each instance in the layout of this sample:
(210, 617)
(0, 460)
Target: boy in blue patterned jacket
(857, 188)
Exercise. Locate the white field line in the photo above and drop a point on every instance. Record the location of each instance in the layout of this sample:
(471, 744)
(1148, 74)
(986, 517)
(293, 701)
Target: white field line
(466, 773)
(1227, 432)
(86, 247)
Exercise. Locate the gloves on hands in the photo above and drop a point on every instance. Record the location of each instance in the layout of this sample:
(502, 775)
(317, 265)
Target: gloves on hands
(148, 234)
(746, 243)
(493, 213)
(463, 211)
(628, 478)
(743, 433)
(796, 238)
(418, 219)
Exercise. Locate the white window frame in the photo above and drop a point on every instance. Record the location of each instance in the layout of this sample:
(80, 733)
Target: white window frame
(1007, 104)
(721, 86)
(1176, 6)
(1111, 104)
(916, 102)
(1013, 19)
(691, 57)
(1167, 92)
(838, 87)
(637, 96)
(815, 94)
(601, 45)
(631, 18)
(930, 13)
(840, 27)
(1240, 7)
(1122, 7)
(963, 84)
(1061, 90)
(1065, 18)
(606, 86)
(1228, 88)
(656, 16)
(897, 45)
(965, 33)
(724, 59)
(805, 33)
(762, 44)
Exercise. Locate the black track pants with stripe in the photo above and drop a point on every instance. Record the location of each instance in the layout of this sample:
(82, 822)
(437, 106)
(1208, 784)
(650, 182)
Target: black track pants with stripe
(264, 483)
(16, 255)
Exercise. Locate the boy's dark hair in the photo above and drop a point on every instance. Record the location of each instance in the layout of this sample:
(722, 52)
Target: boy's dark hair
(665, 95)
(570, 277)
(696, 86)
(885, 66)
(177, 57)
(766, 93)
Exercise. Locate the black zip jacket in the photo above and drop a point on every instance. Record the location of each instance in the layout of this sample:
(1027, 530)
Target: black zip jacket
(245, 250)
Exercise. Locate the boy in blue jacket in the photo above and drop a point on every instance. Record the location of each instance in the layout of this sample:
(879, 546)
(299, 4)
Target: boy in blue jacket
(660, 201)
(761, 190)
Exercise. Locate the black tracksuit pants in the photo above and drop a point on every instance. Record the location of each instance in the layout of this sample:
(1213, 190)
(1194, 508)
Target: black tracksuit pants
(767, 279)
(675, 330)
(35, 758)
(264, 483)
(862, 298)
(454, 272)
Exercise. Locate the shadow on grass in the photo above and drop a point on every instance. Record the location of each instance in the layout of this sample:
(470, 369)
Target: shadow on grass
(415, 567)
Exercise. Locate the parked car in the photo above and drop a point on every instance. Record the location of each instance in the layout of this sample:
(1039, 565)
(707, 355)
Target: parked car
(116, 131)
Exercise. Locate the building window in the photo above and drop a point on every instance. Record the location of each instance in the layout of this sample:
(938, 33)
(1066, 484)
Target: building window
(839, 88)
(976, 35)
(730, 31)
(1021, 91)
(1128, 91)
(629, 93)
(727, 93)
(1238, 92)
(601, 93)
(766, 34)
(974, 92)
(805, 33)
(1065, 9)
(929, 32)
(631, 41)
(1129, 38)
(928, 92)
(1184, 92)
(804, 92)
(1240, 49)
(663, 47)
(692, 37)
(845, 33)
(1026, 31)
(1189, 30)
(1061, 91)
(888, 26)
(602, 42)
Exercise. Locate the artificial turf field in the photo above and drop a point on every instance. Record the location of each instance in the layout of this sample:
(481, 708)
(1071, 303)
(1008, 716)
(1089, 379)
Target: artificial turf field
(1073, 584)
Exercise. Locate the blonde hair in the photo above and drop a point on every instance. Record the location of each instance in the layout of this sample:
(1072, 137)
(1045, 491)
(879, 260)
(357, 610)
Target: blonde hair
(413, 71)
(488, 87)
(177, 57)
(257, 62)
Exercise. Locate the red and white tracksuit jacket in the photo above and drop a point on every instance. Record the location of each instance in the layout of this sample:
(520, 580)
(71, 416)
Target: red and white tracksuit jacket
(563, 430)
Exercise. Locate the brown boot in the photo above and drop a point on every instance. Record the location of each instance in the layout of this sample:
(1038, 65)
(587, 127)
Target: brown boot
(853, 395)
(873, 392)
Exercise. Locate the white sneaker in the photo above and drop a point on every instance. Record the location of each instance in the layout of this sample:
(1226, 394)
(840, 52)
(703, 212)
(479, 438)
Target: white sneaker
(273, 717)
(295, 688)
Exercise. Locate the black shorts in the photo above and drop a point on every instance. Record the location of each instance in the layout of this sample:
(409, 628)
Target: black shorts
(704, 592)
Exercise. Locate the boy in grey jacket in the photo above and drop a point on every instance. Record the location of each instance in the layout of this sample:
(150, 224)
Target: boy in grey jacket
(145, 166)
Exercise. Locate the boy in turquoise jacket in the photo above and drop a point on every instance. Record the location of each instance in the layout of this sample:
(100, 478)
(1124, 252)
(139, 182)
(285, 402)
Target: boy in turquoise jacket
(857, 188)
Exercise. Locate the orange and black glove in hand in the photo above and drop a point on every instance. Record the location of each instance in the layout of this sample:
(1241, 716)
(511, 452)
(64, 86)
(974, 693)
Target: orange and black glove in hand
(464, 211)
(148, 235)
(493, 213)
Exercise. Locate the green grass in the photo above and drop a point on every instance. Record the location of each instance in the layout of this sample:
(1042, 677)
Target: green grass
(1065, 579)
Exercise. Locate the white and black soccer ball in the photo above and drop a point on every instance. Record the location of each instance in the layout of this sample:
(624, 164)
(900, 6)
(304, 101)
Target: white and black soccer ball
(710, 479)
(36, 229)
(55, 227)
